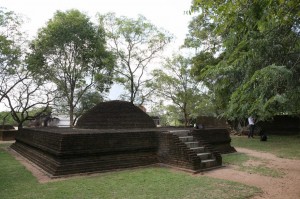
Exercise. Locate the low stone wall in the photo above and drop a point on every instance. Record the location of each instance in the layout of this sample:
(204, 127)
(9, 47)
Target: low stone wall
(211, 122)
(7, 135)
(219, 139)
(283, 124)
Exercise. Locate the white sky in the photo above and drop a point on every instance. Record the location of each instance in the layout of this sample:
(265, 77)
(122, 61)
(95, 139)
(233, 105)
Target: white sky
(167, 14)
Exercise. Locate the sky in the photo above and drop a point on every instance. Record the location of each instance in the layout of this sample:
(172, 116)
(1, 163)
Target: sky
(167, 14)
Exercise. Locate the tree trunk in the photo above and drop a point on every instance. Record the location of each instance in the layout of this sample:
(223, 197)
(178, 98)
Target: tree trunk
(20, 125)
(132, 91)
(71, 113)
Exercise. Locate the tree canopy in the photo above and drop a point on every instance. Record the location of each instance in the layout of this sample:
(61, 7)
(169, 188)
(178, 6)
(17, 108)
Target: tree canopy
(175, 84)
(135, 42)
(19, 92)
(248, 54)
(10, 51)
(70, 51)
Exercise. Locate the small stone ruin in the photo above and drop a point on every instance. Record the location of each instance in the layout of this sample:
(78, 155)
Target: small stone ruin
(7, 133)
(117, 135)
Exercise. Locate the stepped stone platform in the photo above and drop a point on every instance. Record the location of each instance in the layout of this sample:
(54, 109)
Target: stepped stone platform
(68, 151)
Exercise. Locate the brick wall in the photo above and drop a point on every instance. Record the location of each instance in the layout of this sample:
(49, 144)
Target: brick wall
(172, 151)
(282, 124)
(65, 151)
(68, 151)
(7, 135)
(219, 139)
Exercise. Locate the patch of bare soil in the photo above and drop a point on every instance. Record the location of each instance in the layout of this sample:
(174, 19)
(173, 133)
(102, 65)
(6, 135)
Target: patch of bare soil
(286, 187)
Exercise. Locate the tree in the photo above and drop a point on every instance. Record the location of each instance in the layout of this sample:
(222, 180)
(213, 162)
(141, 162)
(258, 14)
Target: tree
(175, 84)
(71, 53)
(256, 67)
(28, 95)
(136, 44)
(18, 91)
(11, 40)
(88, 101)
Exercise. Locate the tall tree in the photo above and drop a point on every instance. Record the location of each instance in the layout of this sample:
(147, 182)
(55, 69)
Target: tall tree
(136, 44)
(11, 40)
(174, 83)
(255, 64)
(71, 53)
(18, 91)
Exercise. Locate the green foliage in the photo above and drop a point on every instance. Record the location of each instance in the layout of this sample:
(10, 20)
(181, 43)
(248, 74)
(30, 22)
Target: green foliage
(136, 43)
(175, 84)
(256, 47)
(16, 182)
(7, 119)
(10, 50)
(87, 101)
(71, 53)
(265, 94)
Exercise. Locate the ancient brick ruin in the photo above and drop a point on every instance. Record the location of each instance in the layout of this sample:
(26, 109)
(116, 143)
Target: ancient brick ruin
(7, 133)
(115, 115)
(67, 151)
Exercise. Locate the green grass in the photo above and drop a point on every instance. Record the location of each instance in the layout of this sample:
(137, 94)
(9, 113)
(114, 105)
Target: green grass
(17, 182)
(240, 160)
(281, 146)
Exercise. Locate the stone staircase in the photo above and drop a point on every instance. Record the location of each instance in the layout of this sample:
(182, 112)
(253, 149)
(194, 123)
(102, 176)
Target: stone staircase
(207, 156)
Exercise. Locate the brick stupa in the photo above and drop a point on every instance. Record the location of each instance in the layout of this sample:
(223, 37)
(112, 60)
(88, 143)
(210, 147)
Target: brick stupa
(115, 115)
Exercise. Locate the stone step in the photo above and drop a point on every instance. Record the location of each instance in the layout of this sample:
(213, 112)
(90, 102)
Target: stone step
(186, 138)
(204, 156)
(208, 163)
(180, 132)
(192, 144)
(200, 149)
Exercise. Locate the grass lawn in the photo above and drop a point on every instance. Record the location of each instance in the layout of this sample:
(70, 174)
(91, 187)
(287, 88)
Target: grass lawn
(17, 182)
(240, 160)
(281, 146)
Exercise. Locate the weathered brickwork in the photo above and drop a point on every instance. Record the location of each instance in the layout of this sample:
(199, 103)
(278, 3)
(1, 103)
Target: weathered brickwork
(115, 115)
(7, 135)
(66, 151)
(172, 151)
(281, 124)
(218, 139)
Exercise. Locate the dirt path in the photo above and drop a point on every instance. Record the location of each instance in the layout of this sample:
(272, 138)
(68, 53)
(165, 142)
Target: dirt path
(287, 187)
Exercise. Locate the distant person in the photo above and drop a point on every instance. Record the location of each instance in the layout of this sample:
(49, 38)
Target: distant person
(251, 127)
